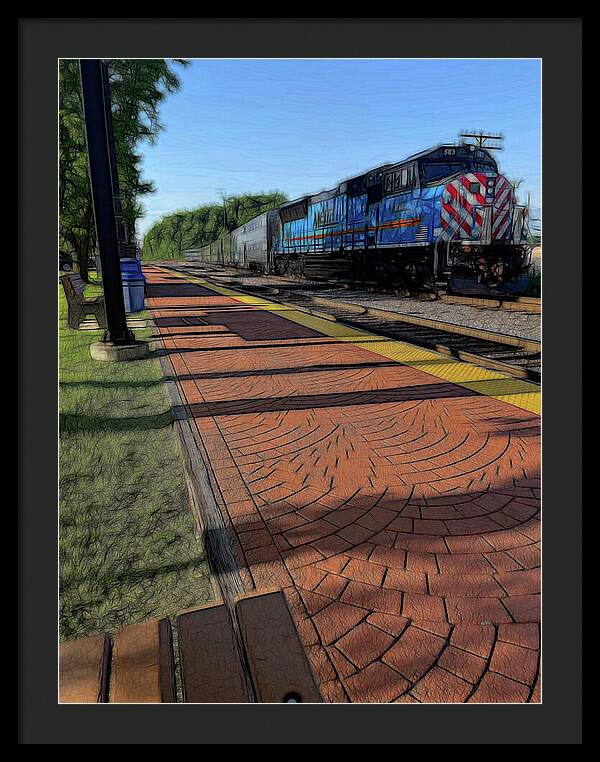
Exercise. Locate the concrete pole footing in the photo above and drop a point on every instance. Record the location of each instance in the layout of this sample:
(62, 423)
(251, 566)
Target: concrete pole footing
(106, 351)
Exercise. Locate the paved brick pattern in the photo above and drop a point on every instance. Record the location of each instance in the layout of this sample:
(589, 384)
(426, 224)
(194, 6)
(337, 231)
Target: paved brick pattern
(398, 512)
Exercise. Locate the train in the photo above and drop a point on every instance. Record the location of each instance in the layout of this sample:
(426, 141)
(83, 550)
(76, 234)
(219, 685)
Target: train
(443, 219)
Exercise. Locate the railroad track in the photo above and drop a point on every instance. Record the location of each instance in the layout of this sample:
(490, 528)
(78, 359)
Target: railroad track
(516, 356)
(530, 304)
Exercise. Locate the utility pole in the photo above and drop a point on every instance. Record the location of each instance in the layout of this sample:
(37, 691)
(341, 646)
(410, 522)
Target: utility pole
(481, 139)
(224, 200)
(99, 137)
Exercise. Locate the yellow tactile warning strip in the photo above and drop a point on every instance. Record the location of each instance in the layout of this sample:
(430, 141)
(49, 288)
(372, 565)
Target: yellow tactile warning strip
(491, 383)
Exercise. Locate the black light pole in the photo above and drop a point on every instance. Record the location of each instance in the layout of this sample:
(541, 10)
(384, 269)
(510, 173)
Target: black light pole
(98, 128)
(114, 172)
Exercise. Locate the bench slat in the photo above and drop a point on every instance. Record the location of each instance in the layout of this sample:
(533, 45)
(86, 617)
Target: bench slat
(277, 659)
(77, 283)
(168, 690)
(74, 286)
(142, 664)
(211, 670)
(83, 670)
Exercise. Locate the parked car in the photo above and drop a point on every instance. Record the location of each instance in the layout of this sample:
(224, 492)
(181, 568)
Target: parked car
(65, 261)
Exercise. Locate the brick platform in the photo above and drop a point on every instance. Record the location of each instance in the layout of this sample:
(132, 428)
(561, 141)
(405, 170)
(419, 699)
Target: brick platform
(398, 511)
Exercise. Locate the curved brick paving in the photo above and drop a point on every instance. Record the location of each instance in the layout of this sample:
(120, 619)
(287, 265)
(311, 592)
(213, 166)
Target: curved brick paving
(399, 512)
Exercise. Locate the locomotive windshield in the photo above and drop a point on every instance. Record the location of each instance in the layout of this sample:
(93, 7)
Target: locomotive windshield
(437, 170)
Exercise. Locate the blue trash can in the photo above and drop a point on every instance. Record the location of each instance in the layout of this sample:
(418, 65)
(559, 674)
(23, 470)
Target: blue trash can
(130, 264)
(134, 284)
(133, 267)
(136, 294)
(126, 295)
(133, 291)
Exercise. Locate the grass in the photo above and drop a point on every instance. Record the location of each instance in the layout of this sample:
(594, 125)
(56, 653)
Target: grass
(129, 548)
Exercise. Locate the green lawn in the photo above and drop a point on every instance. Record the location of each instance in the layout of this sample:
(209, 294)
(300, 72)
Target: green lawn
(129, 548)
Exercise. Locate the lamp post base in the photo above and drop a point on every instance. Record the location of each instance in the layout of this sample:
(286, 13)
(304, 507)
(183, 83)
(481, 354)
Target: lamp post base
(106, 351)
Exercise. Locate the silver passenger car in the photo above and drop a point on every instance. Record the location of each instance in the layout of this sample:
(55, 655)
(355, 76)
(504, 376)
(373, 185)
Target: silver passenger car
(251, 242)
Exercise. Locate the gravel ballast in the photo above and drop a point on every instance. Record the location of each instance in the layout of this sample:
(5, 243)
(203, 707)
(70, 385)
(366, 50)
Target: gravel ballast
(522, 324)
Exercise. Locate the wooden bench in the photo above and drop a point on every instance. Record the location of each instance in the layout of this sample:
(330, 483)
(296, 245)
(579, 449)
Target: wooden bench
(263, 662)
(79, 306)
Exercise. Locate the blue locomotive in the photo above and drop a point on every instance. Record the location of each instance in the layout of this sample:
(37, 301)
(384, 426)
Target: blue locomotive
(443, 218)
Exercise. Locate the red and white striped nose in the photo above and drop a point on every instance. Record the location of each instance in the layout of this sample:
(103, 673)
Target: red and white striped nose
(477, 207)
(504, 201)
(463, 206)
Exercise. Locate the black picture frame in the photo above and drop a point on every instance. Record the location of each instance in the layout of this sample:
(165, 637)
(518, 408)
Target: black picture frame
(558, 43)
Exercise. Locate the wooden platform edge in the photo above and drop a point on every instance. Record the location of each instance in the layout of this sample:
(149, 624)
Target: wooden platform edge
(225, 578)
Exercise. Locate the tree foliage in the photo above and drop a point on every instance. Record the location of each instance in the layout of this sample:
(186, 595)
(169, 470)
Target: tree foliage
(138, 88)
(190, 229)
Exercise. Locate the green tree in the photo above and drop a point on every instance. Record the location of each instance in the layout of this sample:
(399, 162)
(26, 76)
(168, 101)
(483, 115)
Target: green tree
(190, 229)
(138, 88)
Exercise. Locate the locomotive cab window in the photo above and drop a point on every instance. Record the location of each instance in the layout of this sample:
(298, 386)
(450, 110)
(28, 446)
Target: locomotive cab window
(400, 179)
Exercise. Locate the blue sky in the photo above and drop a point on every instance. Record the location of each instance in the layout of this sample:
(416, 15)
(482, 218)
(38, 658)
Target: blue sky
(300, 126)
